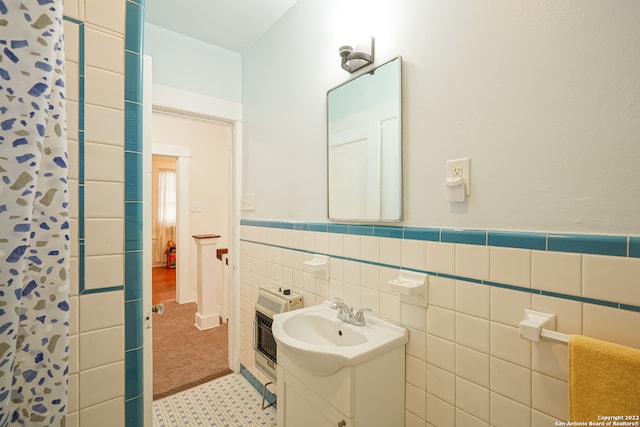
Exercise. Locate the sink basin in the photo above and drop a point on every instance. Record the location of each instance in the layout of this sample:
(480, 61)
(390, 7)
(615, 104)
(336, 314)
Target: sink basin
(317, 341)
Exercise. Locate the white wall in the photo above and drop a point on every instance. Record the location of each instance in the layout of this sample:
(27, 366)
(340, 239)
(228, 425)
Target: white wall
(544, 98)
(188, 64)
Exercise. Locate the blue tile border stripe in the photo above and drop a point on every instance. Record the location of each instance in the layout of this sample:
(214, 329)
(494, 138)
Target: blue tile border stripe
(102, 290)
(634, 247)
(133, 209)
(506, 239)
(269, 396)
(610, 245)
(81, 163)
(468, 237)
(598, 245)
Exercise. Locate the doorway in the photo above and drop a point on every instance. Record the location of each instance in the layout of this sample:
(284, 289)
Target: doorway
(164, 97)
(200, 147)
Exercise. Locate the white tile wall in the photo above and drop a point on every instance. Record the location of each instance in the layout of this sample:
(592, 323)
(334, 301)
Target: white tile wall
(507, 306)
(73, 394)
(104, 236)
(466, 363)
(104, 125)
(472, 365)
(104, 199)
(442, 292)
(609, 324)
(506, 344)
(104, 163)
(441, 257)
(611, 278)
(108, 15)
(104, 88)
(101, 347)
(441, 353)
(72, 120)
(507, 413)
(72, 152)
(106, 414)
(72, 84)
(71, 10)
(568, 313)
(472, 332)
(370, 248)
(509, 379)
(416, 372)
(441, 323)
(390, 251)
(96, 380)
(472, 261)
(104, 271)
(468, 420)
(101, 384)
(472, 299)
(509, 265)
(439, 412)
(105, 51)
(556, 272)
(415, 400)
(441, 383)
(101, 311)
(413, 253)
(549, 395)
(472, 398)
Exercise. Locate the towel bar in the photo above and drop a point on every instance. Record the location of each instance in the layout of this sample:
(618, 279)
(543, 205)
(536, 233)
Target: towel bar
(554, 336)
(538, 325)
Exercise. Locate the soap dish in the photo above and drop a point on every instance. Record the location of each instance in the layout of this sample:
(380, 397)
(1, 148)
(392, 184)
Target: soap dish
(319, 265)
(409, 283)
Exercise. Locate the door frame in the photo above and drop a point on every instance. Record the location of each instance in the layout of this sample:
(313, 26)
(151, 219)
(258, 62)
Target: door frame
(184, 293)
(193, 104)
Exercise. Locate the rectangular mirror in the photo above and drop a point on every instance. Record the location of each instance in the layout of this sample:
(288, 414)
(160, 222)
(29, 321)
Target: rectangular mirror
(364, 132)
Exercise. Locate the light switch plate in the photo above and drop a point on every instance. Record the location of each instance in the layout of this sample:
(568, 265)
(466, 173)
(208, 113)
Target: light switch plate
(248, 202)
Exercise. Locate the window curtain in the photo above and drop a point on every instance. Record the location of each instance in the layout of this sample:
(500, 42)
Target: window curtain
(166, 216)
(34, 216)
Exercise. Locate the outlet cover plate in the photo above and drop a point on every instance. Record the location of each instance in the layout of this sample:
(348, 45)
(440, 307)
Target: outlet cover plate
(460, 167)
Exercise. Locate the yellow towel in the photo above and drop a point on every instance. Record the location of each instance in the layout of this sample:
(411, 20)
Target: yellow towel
(604, 379)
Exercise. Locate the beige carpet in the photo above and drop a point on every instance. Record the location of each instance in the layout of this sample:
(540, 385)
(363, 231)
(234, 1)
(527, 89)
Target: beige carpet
(183, 355)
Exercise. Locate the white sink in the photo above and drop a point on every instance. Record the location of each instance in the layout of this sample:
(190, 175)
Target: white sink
(317, 341)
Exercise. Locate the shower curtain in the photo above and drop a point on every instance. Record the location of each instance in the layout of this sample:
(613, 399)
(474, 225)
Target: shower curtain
(34, 217)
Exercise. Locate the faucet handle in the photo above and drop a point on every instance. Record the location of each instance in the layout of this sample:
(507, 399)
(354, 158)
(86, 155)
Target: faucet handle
(358, 316)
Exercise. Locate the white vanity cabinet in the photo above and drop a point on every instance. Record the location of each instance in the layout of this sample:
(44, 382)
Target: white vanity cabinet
(370, 394)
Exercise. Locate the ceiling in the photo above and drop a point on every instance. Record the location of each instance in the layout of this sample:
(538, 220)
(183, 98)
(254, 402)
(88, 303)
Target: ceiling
(231, 24)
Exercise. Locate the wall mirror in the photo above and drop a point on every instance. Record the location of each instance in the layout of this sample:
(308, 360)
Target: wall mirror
(364, 132)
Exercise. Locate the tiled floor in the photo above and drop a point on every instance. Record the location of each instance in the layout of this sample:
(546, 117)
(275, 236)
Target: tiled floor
(229, 401)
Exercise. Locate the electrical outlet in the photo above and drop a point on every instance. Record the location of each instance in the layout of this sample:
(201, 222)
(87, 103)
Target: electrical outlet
(460, 168)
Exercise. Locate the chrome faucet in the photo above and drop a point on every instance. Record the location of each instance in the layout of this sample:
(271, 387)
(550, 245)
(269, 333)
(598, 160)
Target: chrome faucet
(346, 313)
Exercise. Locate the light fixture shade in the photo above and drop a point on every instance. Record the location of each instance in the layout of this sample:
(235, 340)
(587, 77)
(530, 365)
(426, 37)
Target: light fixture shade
(361, 56)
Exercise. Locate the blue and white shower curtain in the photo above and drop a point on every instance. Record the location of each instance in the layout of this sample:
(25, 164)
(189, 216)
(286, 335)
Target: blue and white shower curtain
(34, 216)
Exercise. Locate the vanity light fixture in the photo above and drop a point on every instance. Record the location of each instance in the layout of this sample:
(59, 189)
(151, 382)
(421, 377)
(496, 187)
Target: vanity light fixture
(356, 58)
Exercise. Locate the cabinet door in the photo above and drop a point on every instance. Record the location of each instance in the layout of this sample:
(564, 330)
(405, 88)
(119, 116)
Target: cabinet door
(299, 413)
(301, 407)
